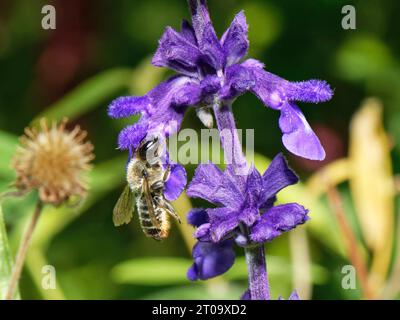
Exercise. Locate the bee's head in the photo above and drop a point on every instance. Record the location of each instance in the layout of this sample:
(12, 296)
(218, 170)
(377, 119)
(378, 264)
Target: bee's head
(150, 149)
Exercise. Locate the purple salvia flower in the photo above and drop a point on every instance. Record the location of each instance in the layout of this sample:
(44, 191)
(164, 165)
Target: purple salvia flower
(244, 213)
(210, 69)
(210, 259)
(293, 296)
(161, 110)
(251, 204)
(211, 74)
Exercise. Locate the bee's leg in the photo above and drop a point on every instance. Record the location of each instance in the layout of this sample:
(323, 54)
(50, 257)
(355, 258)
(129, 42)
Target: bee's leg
(172, 211)
(175, 215)
(161, 202)
(157, 186)
(167, 173)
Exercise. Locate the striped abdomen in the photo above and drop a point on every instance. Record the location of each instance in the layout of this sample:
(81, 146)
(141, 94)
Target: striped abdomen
(151, 230)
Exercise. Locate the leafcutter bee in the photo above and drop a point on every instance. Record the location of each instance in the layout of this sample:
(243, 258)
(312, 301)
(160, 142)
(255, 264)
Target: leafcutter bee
(146, 177)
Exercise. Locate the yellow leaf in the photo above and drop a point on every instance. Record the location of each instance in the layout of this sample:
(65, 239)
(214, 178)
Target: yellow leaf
(372, 185)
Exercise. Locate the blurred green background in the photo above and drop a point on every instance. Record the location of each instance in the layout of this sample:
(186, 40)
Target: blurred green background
(101, 49)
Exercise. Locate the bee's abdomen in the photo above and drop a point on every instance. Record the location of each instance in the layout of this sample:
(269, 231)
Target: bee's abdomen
(151, 230)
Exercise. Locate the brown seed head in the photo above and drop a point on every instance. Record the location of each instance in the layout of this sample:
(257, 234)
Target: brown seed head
(53, 161)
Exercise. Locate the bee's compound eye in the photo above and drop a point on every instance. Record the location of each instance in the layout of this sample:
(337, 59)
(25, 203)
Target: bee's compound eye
(148, 149)
(150, 143)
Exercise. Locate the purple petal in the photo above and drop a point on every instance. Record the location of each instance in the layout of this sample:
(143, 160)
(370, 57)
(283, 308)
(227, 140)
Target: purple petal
(234, 41)
(278, 93)
(193, 273)
(246, 295)
(253, 64)
(205, 34)
(176, 52)
(176, 182)
(274, 91)
(254, 181)
(238, 80)
(277, 220)
(223, 221)
(131, 136)
(128, 106)
(197, 217)
(313, 91)
(276, 177)
(231, 192)
(294, 296)
(203, 233)
(188, 95)
(298, 137)
(211, 48)
(206, 181)
(164, 122)
(269, 88)
(210, 85)
(249, 215)
(164, 113)
(169, 122)
(187, 32)
(211, 260)
(200, 16)
(177, 90)
(209, 183)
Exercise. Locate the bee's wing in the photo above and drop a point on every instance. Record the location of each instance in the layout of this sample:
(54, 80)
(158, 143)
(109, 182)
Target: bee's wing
(150, 203)
(123, 210)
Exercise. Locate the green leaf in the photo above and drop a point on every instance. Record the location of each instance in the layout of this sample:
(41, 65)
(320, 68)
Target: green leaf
(278, 267)
(364, 57)
(88, 95)
(172, 271)
(8, 144)
(262, 16)
(6, 261)
(152, 271)
(213, 291)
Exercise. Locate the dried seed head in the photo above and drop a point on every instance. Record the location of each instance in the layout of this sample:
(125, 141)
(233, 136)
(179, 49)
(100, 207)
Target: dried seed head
(53, 161)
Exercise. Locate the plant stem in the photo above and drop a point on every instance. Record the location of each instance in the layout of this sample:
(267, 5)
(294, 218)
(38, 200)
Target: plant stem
(301, 261)
(355, 257)
(20, 259)
(255, 257)
(258, 277)
(229, 137)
